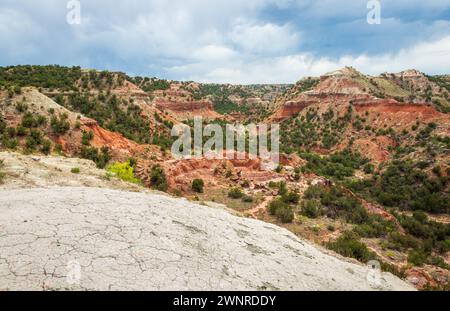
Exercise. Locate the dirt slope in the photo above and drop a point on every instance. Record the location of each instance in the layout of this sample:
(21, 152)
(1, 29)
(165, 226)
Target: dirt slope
(25, 171)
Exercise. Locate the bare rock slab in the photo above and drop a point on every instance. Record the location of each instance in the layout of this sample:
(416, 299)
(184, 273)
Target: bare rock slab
(77, 238)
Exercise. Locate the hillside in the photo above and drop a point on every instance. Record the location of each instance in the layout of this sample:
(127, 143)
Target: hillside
(376, 116)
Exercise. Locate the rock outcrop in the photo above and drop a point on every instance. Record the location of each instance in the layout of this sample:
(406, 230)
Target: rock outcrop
(98, 239)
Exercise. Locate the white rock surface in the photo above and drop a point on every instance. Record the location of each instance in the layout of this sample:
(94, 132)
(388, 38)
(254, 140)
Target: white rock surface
(141, 241)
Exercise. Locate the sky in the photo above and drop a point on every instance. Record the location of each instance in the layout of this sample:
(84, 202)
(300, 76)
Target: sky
(228, 41)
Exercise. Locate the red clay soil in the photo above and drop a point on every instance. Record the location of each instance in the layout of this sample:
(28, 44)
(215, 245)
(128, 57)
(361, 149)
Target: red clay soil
(376, 149)
(428, 276)
(128, 88)
(393, 112)
(116, 142)
(187, 109)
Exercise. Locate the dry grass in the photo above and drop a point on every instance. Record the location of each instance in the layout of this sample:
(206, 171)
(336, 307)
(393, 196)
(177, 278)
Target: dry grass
(220, 195)
(2, 174)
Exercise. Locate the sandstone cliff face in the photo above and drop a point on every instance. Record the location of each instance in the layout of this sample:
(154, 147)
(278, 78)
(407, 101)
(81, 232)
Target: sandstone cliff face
(97, 239)
(186, 109)
(415, 80)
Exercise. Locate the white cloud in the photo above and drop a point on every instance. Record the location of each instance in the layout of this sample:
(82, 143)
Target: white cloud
(213, 53)
(427, 57)
(213, 41)
(265, 38)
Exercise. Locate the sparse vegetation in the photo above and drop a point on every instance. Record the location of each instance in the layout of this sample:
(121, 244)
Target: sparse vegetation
(40, 76)
(282, 210)
(60, 125)
(339, 165)
(404, 186)
(198, 185)
(349, 245)
(158, 178)
(2, 174)
(235, 193)
(247, 199)
(101, 158)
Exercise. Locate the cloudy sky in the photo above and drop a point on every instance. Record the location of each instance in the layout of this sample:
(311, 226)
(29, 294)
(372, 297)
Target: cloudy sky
(235, 41)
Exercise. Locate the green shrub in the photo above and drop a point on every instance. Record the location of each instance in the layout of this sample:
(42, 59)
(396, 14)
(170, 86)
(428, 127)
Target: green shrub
(158, 178)
(58, 148)
(375, 227)
(198, 185)
(281, 210)
(235, 193)
(282, 188)
(101, 158)
(285, 214)
(30, 144)
(133, 162)
(21, 107)
(87, 137)
(247, 199)
(12, 144)
(291, 198)
(28, 120)
(311, 209)
(275, 205)
(2, 174)
(402, 242)
(432, 234)
(124, 171)
(41, 120)
(338, 165)
(337, 203)
(46, 147)
(21, 131)
(418, 257)
(36, 135)
(11, 132)
(3, 125)
(314, 192)
(273, 185)
(369, 168)
(348, 245)
(75, 170)
(60, 125)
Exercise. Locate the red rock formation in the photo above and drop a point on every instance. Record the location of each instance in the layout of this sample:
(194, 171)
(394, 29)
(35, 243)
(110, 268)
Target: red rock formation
(116, 142)
(184, 109)
(291, 108)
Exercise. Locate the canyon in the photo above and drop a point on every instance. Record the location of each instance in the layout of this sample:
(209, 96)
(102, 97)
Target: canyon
(326, 122)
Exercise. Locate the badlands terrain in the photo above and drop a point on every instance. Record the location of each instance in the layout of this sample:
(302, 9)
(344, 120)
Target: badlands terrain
(364, 173)
(143, 240)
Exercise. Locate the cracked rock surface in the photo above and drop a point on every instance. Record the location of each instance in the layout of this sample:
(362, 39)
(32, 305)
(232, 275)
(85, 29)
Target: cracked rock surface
(76, 238)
